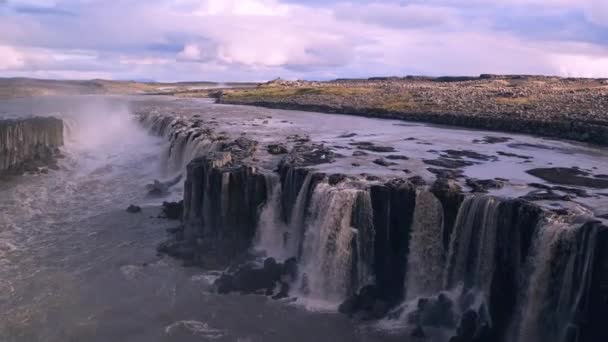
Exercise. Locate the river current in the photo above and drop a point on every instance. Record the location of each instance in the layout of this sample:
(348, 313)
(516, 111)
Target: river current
(74, 266)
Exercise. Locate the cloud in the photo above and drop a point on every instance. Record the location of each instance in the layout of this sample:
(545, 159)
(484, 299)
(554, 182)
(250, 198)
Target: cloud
(396, 15)
(262, 39)
(10, 58)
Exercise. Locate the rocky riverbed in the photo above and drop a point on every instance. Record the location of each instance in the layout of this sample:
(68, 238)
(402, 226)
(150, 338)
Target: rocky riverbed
(450, 233)
(411, 231)
(566, 108)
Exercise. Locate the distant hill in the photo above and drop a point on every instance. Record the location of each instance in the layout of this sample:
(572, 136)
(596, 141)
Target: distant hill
(29, 87)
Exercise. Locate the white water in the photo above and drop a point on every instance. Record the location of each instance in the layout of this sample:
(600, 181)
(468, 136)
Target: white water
(473, 238)
(552, 235)
(326, 262)
(298, 215)
(270, 234)
(425, 264)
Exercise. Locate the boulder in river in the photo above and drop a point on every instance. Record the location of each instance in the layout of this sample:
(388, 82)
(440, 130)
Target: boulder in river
(133, 209)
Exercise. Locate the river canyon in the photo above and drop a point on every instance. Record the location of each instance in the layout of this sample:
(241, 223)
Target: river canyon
(294, 226)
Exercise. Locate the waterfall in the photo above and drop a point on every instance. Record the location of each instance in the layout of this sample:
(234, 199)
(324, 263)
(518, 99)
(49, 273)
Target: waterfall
(426, 254)
(363, 222)
(560, 275)
(296, 222)
(270, 234)
(327, 253)
(473, 245)
(185, 142)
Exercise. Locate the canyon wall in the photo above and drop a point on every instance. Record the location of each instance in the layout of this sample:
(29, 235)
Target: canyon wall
(479, 267)
(28, 143)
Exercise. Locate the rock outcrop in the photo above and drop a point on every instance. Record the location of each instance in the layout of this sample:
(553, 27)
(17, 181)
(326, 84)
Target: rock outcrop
(483, 267)
(27, 144)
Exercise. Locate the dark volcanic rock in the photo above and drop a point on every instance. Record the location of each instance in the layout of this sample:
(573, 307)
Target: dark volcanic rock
(133, 209)
(157, 189)
(448, 163)
(446, 173)
(397, 157)
(368, 146)
(29, 144)
(492, 140)
(513, 155)
(173, 210)
(336, 178)
(569, 176)
(545, 195)
(277, 149)
(482, 185)
(458, 154)
(384, 162)
(360, 154)
(308, 155)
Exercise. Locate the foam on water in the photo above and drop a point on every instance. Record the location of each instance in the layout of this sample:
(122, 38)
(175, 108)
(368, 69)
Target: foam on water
(197, 328)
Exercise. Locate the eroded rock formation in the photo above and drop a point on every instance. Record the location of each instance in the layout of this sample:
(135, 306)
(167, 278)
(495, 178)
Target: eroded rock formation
(481, 267)
(27, 144)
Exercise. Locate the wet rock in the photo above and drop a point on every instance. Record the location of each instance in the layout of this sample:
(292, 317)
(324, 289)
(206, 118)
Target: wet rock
(437, 312)
(446, 173)
(458, 154)
(545, 195)
(355, 164)
(29, 145)
(492, 140)
(369, 146)
(360, 154)
(568, 176)
(133, 209)
(336, 178)
(513, 155)
(157, 189)
(418, 332)
(177, 249)
(277, 149)
(309, 155)
(417, 181)
(173, 210)
(384, 162)
(396, 157)
(367, 304)
(348, 135)
(448, 163)
(468, 326)
(483, 185)
(247, 278)
(241, 148)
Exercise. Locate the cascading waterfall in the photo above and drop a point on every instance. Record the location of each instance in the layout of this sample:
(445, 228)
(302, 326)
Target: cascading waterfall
(327, 255)
(295, 231)
(270, 234)
(427, 256)
(363, 221)
(550, 237)
(473, 245)
(184, 143)
(561, 267)
(521, 278)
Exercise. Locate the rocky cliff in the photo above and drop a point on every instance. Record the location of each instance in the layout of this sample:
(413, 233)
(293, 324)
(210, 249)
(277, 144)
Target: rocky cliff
(26, 144)
(478, 267)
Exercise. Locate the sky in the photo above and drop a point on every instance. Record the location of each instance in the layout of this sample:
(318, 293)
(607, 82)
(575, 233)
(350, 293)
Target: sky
(258, 40)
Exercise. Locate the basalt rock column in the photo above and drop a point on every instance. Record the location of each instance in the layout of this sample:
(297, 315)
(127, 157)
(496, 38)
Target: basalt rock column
(27, 141)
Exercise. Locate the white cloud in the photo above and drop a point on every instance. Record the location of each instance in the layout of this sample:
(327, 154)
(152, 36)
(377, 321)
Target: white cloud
(262, 39)
(191, 52)
(10, 58)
